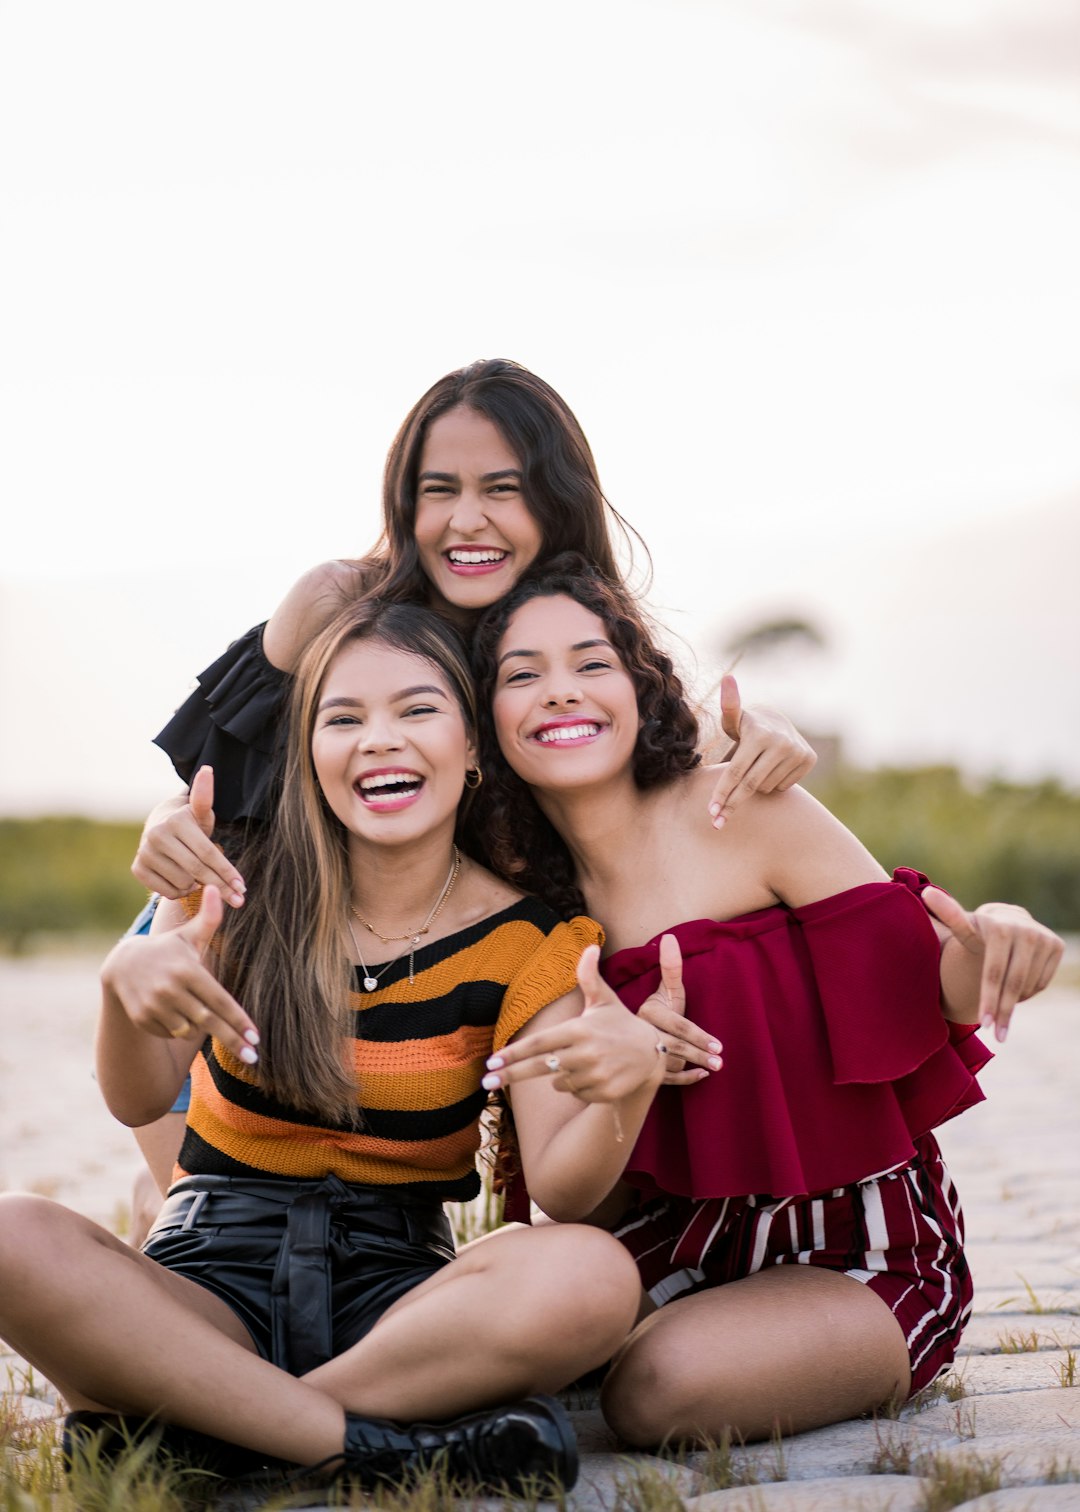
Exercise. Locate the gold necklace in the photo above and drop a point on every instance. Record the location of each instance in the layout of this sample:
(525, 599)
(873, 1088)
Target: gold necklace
(413, 936)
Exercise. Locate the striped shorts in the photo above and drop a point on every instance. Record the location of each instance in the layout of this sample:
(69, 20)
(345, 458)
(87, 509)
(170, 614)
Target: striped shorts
(901, 1234)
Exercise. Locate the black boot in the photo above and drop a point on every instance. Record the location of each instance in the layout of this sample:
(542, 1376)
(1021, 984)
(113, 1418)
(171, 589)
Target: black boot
(526, 1447)
(102, 1437)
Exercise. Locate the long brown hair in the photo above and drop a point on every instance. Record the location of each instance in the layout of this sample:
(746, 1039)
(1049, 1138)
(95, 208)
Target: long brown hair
(283, 955)
(517, 838)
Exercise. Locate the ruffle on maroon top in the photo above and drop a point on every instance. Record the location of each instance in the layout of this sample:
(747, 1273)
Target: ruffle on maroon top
(836, 1053)
(233, 721)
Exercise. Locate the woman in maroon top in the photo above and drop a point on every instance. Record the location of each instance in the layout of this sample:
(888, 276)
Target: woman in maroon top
(797, 1234)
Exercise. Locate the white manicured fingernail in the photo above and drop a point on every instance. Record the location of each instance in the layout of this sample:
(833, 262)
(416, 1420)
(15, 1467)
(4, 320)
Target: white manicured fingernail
(252, 1036)
(719, 822)
(714, 809)
(714, 1047)
(490, 1082)
(249, 1056)
(715, 1063)
(495, 1063)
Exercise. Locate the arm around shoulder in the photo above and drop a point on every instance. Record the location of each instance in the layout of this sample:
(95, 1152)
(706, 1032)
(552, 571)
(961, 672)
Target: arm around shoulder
(309, 606)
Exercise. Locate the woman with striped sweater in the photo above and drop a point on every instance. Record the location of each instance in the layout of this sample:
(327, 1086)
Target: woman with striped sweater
(298, 1299)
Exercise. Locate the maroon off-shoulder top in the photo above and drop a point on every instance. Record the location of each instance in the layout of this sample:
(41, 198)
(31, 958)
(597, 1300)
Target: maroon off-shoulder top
(836, 1054)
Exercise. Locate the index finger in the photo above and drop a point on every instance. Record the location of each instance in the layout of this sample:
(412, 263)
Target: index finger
(952, 914)
(217, 1013)
(209, 866)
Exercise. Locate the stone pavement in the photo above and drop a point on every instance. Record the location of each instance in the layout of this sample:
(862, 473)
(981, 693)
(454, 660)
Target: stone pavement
(1001, 1432)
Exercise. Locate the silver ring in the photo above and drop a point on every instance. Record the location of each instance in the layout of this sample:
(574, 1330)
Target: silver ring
(552, 1062)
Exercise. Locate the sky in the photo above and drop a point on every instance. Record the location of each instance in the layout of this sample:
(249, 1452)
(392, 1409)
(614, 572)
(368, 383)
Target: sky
(805, 273)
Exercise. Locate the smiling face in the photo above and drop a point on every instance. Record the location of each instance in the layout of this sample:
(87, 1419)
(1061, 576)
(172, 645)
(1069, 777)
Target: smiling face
(474, 531)
(390, 745)
(564, 706)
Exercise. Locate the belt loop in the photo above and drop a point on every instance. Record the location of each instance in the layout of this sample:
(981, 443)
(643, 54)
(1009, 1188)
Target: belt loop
(191, 1217)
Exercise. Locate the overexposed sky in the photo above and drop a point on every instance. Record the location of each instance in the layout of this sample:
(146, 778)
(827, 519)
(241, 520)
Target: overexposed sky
(806, 273)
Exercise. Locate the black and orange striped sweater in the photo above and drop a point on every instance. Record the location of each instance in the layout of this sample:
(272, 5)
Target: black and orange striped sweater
(419, 1053)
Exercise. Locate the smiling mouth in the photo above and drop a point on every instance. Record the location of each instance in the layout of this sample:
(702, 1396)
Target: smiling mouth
(571, 734)
(384, 789)
(473, 559)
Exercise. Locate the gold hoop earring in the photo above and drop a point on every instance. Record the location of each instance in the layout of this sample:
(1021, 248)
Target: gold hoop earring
(476, 776)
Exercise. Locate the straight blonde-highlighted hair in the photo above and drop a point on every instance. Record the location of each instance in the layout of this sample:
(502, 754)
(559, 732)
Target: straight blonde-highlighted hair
(284, 954)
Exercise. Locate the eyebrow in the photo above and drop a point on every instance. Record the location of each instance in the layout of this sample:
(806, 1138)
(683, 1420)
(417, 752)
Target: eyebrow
(490, 477)
(358, 703)
(577, 646)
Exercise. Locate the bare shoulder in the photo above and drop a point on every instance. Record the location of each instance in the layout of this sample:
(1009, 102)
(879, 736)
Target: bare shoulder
(757, 813)
(807, 852)
(484, 893)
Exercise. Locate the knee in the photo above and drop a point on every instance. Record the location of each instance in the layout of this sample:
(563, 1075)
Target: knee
(28, 1227)
(606, 1279)
(642, 1399)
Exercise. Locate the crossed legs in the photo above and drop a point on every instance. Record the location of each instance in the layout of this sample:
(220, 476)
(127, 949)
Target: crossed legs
(117, 1332)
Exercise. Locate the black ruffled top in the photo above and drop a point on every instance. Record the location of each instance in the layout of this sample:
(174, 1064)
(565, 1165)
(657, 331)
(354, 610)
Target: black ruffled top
(235, 722)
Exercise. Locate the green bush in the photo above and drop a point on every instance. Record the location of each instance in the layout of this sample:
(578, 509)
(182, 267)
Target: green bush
(988, 840)
(1010, 841)
(61, 875)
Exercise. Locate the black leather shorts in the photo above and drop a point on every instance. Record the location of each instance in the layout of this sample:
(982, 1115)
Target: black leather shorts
(309, 1267)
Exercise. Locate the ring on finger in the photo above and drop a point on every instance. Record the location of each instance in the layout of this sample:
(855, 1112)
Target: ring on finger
(552, 1062)
(180, 1033)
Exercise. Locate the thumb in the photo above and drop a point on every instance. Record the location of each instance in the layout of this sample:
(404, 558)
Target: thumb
(201, 799)
(953, 915)
(730, 706)
(671, 972)
(592, 984)
(200, 930)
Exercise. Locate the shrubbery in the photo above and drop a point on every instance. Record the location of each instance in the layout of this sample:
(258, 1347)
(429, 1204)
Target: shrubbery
(1019, 843)
(61, 875)
(981, 841)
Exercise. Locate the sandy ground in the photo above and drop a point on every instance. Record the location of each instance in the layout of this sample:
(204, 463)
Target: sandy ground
(1014, 1406)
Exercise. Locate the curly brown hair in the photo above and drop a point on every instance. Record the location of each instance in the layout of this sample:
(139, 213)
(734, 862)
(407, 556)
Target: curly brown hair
(508, 827)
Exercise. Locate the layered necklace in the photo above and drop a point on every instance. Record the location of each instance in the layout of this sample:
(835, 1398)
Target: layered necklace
(411, 936)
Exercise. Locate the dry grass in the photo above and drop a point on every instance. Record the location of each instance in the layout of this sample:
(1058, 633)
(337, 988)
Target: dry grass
(1018, 1341)
(950, 1482)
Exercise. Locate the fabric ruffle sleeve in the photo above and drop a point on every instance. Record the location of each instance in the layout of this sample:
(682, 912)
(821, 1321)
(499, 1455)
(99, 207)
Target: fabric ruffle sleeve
(548, 973)
(836, 1053)
(233, 721)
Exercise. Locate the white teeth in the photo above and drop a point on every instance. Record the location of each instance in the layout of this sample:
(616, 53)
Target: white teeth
(389, 779)
(568, 732)
(474, 558)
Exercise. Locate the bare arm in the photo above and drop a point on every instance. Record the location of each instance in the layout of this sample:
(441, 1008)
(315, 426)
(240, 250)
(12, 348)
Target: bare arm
(577, 1121)
(308, 607)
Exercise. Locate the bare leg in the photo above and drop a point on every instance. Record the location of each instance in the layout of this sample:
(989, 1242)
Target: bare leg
(790, 1348)
(523, 1311)
(112, 1329)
